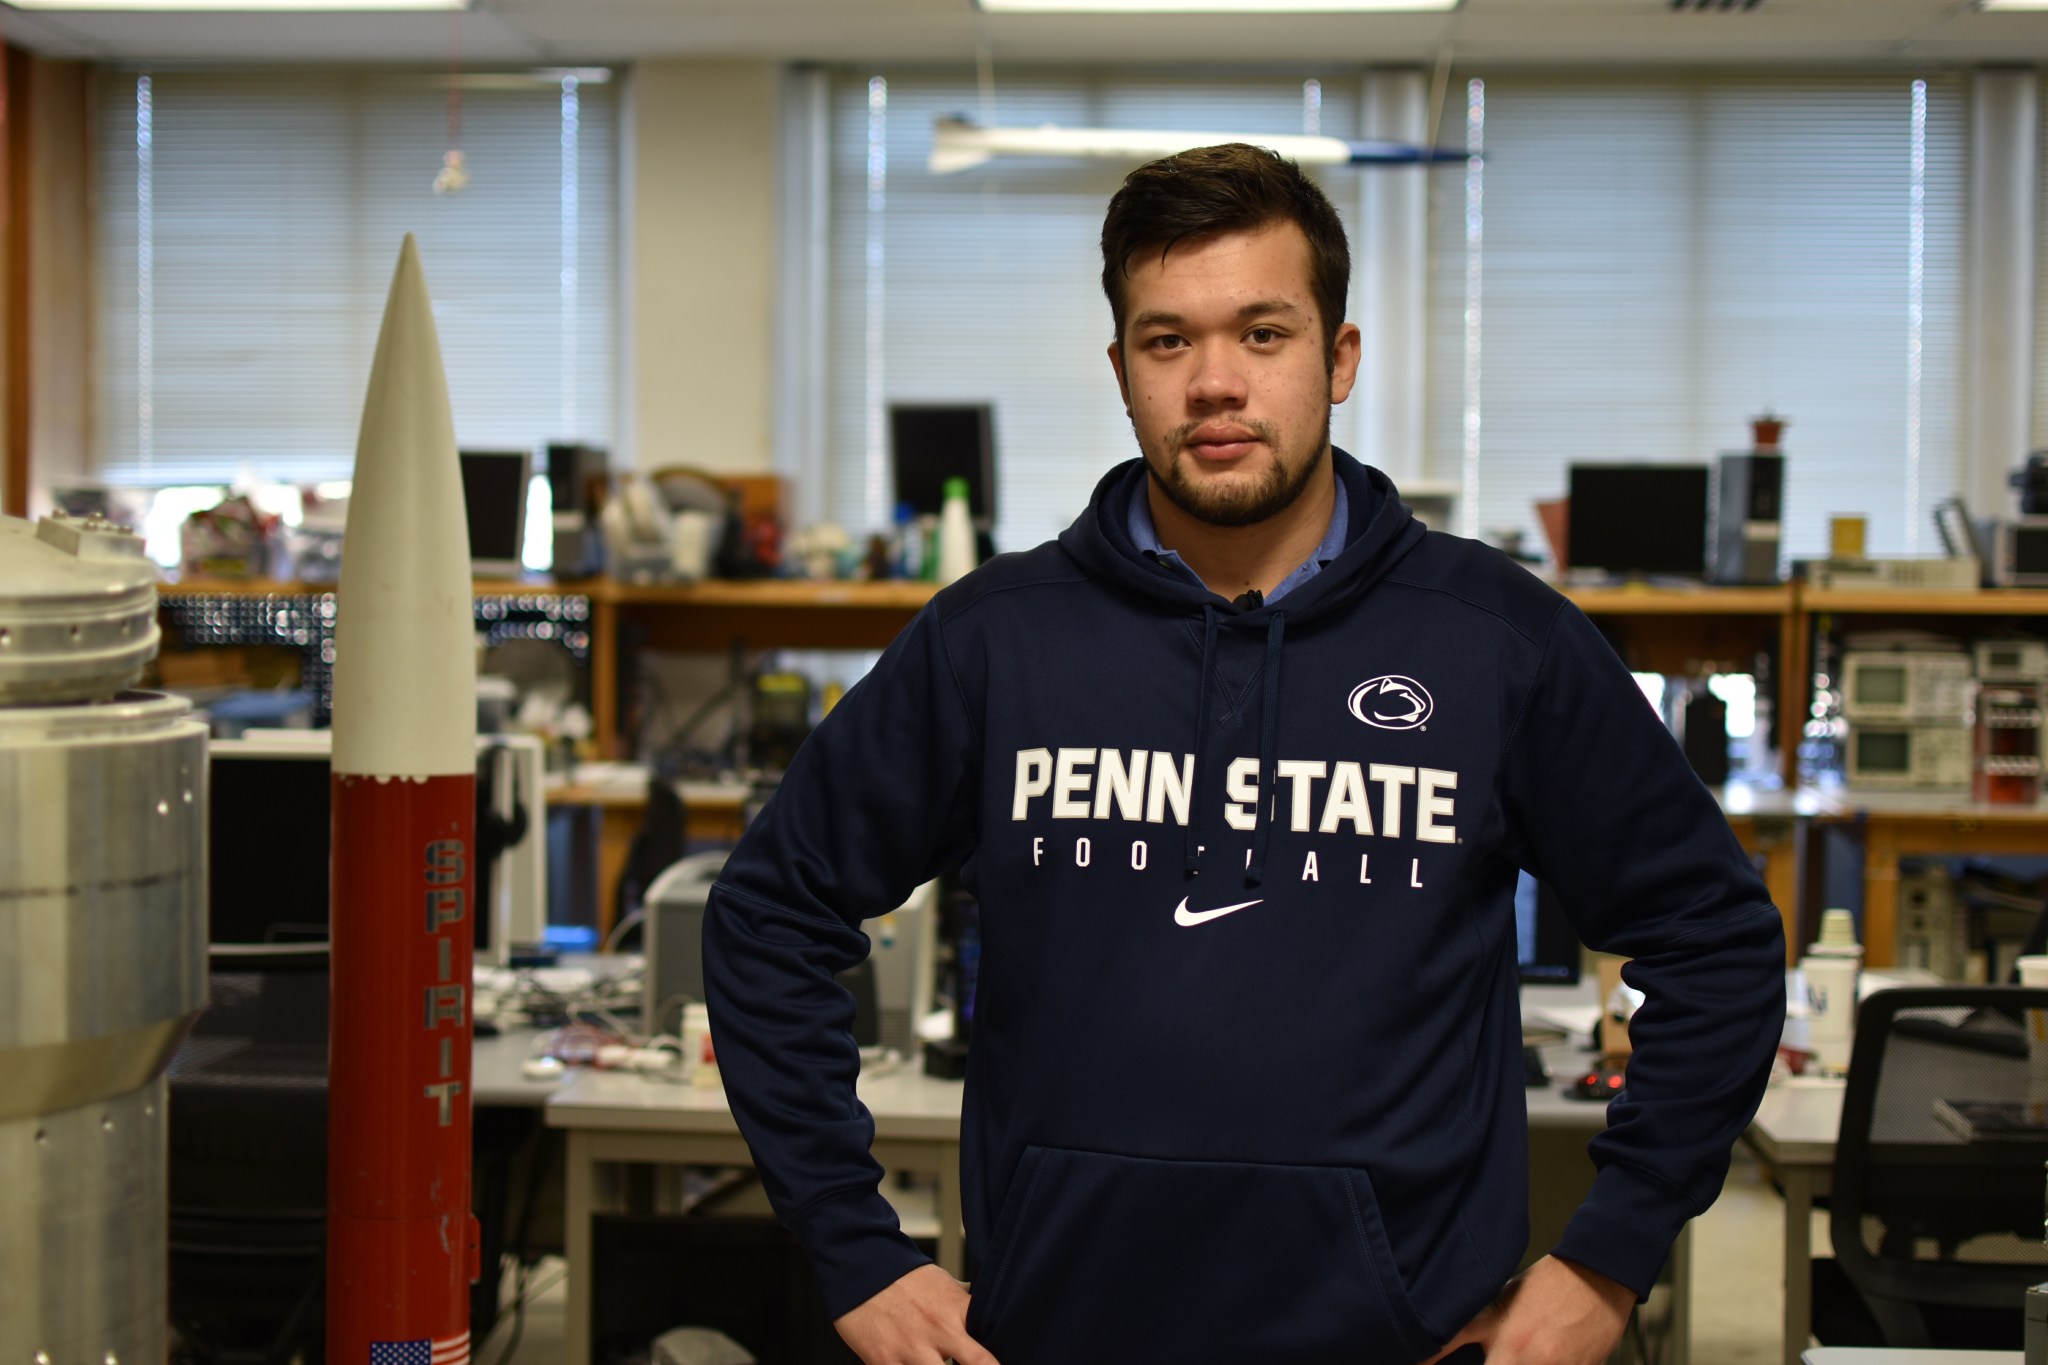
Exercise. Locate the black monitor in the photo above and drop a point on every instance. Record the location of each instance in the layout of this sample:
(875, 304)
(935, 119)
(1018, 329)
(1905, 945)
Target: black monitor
(931, 443)
(575, 473)
(267, 839)
(1546, 945)
(1639, 519)
(270, 835)
(494, 484)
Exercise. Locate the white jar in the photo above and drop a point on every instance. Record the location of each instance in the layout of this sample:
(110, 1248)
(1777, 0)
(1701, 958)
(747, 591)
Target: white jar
(700, 1060)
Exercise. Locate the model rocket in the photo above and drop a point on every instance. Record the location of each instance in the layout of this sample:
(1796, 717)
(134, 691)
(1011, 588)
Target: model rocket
(401, 1241)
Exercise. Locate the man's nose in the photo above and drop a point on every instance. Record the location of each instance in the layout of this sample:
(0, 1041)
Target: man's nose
(1217, 381)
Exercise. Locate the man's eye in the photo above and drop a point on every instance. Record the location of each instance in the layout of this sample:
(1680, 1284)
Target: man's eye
(1168, 342)
(1263, 336)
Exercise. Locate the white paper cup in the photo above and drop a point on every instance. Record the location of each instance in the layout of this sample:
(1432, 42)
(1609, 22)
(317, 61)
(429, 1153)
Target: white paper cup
(1831, 994)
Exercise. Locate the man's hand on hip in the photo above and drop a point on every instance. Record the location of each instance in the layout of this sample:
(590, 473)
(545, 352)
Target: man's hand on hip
(1553, 1313)
(921, 1319)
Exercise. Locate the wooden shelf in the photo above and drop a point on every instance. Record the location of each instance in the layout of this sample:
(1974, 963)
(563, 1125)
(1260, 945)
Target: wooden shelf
(240, 587)
(1654, 601)
(768, 594)
(1665, 628)
(714, 616)
(771, 594)
(1981, 602)
(277, 587)
(768, 614)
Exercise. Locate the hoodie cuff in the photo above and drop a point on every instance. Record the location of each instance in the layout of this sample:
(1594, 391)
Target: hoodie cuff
(1625, 1228)
(857, 1248)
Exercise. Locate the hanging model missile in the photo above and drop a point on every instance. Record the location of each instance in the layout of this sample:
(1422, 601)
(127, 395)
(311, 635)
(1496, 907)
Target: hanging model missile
(958, 145)
(401, 1241)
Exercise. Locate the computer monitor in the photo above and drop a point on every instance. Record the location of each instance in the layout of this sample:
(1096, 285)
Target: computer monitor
(576, 475)
(1546, 945)
(268, 827)
(494, 485)
(930, 443)
(269, 840)
(1639, 519)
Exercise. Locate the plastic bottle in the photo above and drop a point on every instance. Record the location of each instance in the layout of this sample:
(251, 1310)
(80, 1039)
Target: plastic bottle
(909, 544)
(956, 533)
(699, 1060)
(1831, 967)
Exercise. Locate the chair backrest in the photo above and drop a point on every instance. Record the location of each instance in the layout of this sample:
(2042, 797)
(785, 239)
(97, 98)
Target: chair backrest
(1941, 1164)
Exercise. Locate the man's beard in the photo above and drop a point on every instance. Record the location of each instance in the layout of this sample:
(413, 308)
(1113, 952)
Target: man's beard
(1273, 493)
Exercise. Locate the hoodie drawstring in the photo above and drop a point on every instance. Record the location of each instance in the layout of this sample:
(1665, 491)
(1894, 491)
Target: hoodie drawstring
(1269, 743)
(1189, 857)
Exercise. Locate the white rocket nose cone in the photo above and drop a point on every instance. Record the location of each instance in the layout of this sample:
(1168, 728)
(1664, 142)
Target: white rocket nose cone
(404, 662)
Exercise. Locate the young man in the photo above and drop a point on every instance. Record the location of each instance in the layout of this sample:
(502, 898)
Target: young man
(1241, 770)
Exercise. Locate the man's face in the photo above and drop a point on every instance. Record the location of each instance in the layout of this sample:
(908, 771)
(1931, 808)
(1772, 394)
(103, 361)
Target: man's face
(1224, 372)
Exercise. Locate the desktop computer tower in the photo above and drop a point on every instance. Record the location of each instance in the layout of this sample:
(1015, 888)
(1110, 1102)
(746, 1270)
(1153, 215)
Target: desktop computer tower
(892, 987)
(1748, 518)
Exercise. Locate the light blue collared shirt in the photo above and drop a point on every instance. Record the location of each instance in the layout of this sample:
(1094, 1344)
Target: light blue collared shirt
(1145, 536)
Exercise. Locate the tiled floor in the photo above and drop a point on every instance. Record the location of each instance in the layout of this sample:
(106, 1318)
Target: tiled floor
(1738, 1260)
(1737, 1293)
(540, 1336)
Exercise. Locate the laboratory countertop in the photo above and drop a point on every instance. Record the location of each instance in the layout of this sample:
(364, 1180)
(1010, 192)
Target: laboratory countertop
(1845, 803)
(1798, 1120)
(625, 784)
(496, 1079)
(905, 1103)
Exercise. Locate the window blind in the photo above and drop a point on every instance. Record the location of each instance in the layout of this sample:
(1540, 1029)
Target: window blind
(984, 286)
(1639, 266)
(2039, 432)
(248, 227)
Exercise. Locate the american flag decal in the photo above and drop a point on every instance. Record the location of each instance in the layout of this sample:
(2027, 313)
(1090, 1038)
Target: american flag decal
(425, 1351)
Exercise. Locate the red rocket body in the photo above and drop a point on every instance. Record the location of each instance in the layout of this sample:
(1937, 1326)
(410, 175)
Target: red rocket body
(401, 1240)
(402, 1244)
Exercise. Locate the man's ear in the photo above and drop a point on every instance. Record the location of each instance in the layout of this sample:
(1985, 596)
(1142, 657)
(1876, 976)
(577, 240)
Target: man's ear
(1116, 363)
(1344, 362)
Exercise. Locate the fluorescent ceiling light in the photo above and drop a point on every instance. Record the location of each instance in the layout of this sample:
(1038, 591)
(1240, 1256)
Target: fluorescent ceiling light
(1215, 6)
(196, 6)
(2013, 4)
(958, 145)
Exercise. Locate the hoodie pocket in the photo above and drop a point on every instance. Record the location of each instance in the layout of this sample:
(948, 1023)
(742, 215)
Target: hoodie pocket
(1113, 1258)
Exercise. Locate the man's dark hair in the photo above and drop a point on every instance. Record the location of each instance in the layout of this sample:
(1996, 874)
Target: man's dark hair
(1232, 188)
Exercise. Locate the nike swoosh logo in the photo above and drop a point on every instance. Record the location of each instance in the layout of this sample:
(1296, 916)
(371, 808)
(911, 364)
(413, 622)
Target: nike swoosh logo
(1184, 916)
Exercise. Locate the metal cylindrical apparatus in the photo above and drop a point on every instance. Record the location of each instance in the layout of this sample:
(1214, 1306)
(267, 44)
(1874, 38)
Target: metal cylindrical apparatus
(102, 943)
(402, 1245)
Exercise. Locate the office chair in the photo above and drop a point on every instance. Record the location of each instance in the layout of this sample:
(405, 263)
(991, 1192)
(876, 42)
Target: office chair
(658, 843)
(248, 1161)
(1937, 1221)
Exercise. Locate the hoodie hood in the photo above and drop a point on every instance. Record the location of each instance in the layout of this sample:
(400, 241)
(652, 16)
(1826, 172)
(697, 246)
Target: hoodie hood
(1383, 530)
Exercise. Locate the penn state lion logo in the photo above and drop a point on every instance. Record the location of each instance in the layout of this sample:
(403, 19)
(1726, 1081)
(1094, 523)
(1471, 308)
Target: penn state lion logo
(1392, 702)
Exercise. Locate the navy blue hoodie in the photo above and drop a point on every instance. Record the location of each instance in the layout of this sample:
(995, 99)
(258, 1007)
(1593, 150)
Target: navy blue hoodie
(1245, 1080)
